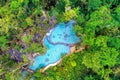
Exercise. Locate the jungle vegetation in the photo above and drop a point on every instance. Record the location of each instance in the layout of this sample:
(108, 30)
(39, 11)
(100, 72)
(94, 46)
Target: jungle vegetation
(23, 26)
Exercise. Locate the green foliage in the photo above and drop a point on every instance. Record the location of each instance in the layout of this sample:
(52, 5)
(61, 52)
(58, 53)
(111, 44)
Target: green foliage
(4, 25)
(116, 14)
(34, 47)
(3, 42)
(27, 38)
(94, 4)
(100, 18)
(89, 78)
(114, 42)
(61, 6)
(70, 14)
(101, 61)
(14, 5)
(98, 25)
(101, 41)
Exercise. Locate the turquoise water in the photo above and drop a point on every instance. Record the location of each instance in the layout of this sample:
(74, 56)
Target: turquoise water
(57, 42)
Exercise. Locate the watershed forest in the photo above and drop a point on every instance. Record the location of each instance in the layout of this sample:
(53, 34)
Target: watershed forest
(24, 23)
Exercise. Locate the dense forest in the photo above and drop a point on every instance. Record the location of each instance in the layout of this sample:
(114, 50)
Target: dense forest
(23, 24)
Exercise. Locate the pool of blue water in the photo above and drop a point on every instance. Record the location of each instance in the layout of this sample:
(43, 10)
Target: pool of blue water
(57, 42)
